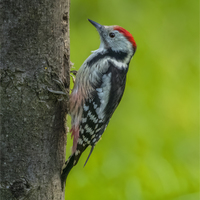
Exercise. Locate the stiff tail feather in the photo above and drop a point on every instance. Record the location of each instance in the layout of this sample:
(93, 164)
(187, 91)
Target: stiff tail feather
(67, 168)
(89, 155)
(71, 162)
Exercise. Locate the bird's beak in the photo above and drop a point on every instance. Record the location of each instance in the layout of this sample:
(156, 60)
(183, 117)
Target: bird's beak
(101, 29)
(96, 25)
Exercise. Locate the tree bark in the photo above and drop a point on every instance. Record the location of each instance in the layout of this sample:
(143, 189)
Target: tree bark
(34, 63)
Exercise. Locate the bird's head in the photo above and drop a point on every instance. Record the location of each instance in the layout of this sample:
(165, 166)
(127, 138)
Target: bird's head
(116, 38)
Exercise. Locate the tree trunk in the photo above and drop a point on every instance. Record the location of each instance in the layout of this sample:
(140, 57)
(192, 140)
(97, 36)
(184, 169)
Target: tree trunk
(34, 59)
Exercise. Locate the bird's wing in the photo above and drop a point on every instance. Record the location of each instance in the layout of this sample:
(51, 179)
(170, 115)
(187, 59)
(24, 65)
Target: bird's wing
(98, 109)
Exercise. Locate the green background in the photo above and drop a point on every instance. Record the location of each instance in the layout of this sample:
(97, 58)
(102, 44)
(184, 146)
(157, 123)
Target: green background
(150, 149)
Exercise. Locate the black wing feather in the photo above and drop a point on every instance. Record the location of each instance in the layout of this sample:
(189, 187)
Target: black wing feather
(118, 81)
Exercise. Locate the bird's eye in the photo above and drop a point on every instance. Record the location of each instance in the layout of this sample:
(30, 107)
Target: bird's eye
(112, 35)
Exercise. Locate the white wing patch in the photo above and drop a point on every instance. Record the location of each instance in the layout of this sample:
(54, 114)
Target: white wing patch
(103, 94)
(95, 105)
(92, 117)
(86, 108)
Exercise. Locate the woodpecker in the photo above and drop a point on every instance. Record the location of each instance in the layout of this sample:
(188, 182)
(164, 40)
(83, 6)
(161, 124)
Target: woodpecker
(98, 89)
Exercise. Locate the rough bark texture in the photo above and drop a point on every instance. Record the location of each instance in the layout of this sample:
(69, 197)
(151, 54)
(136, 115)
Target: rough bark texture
(34, 52)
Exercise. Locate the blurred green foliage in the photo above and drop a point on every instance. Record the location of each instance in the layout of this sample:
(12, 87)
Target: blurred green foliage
(150, 149)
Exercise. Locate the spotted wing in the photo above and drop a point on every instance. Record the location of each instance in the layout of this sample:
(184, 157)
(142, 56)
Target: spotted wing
(98, 109)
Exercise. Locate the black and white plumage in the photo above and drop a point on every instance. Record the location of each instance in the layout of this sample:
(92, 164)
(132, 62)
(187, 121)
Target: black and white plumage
(98, 89)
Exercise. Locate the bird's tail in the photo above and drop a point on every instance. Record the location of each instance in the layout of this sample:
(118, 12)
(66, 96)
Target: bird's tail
(72, 161)
(67, 168)
(69, 164)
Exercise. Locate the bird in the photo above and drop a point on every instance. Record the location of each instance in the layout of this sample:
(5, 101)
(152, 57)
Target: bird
(98, 89)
